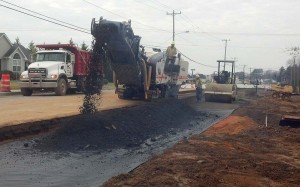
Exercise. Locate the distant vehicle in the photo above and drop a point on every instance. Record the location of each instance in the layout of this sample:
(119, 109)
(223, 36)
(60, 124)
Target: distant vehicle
(282, 91)
(189, 83)
(58, 67)
(224, 88)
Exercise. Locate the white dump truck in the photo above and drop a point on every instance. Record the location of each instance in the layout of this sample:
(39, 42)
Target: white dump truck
(58, 67)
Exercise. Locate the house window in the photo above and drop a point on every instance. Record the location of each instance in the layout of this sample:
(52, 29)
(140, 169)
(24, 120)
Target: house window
(17, 63)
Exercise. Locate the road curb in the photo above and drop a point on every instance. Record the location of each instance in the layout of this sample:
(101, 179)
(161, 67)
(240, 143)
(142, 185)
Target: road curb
(28, 128)
(13, 92)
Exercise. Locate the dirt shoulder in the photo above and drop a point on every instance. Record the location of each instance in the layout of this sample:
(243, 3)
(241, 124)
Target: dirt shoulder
(238, 151)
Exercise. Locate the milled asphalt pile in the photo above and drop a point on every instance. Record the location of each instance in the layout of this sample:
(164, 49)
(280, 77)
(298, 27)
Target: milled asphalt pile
(127, 127)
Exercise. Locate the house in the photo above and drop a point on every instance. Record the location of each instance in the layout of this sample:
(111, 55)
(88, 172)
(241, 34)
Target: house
(13, 56)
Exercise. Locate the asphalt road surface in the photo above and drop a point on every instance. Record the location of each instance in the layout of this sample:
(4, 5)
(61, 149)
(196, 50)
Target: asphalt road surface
(88, 150)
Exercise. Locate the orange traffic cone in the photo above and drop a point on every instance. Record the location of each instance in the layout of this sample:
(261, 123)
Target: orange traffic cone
(5, 83)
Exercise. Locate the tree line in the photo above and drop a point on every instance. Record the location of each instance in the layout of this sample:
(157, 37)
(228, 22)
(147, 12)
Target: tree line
(289, 75)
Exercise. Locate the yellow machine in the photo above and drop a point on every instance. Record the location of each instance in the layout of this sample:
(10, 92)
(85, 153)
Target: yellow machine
(224, 88)
(283, 92)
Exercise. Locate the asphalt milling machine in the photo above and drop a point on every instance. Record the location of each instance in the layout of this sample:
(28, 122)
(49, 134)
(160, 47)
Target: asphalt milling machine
(137, 74)
(224, 88)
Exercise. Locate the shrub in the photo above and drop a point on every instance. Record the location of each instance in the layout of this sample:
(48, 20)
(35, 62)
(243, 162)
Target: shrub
(105, 81)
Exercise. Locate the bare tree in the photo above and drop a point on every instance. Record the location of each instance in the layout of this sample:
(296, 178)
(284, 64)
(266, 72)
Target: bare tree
(294, 81)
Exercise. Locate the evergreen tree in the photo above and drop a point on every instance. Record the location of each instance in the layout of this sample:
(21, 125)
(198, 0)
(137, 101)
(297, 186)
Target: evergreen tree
(32, 48)
(71, 41)
(84, 46)
(282, 75)
(17, 40)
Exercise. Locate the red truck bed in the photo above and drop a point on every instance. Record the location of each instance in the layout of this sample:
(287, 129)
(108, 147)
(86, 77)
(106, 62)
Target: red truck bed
(82, 57)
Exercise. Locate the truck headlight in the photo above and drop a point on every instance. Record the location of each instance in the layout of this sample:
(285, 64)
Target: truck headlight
(24, 77)
(54, 76)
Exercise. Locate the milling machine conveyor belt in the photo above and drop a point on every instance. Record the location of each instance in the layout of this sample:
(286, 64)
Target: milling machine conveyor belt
(122, 48)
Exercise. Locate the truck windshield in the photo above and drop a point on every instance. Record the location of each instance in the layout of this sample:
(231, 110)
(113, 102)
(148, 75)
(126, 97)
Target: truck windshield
(50, 57)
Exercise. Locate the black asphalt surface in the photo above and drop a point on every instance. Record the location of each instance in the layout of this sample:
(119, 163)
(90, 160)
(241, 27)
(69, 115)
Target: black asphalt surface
(89, 149)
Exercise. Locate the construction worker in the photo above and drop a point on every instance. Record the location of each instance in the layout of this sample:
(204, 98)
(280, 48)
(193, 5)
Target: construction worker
(171, 53)
(198, 87)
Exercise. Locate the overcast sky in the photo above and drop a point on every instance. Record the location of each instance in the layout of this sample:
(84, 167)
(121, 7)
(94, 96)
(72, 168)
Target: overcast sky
(259, 31)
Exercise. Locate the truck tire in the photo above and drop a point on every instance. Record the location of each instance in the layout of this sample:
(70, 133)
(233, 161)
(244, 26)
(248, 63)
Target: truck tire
(61, 87)
(26, 91)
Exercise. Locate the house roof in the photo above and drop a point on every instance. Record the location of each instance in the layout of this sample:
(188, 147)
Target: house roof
(4, 35)
(15, 46)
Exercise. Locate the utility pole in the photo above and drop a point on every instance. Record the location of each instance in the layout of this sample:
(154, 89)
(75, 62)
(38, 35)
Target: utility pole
(295, 75)
(192, 72)
(173, 14)
(250, 76)
(225, 40)
(244, 74)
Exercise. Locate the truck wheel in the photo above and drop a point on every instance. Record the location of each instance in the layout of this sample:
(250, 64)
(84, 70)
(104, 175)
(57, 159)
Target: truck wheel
(26, 91)
(149, 96)
(61, 87)
(275, 95)
(163, 91)
(128, 93)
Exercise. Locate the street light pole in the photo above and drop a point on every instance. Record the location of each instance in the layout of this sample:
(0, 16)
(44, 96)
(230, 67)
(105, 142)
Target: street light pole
(187, 31)
(192, 72)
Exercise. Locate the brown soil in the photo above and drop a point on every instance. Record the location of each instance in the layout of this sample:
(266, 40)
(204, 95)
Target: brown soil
(238, 151)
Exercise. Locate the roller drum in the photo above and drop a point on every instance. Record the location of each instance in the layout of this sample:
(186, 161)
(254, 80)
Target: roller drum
(220, 92)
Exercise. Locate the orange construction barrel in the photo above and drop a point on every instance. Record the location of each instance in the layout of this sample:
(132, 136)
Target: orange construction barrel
(5, 83)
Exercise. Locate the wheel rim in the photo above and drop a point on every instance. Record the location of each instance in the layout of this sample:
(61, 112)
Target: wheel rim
(62, 87)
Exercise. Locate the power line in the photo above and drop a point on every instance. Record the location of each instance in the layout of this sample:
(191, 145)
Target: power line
(143, 2)
(122, 16)
(37, 29)
(186, 40)
(248, 34)
(44, 15)
(197, 27)
(186, 25)
(197, 61)
(166, 6)
(158, 46)
(45, 19)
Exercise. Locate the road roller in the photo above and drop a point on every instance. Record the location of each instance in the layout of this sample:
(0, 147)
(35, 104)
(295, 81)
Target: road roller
(223, 87)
